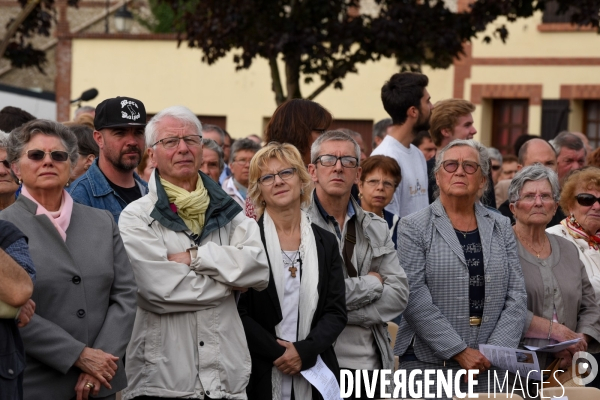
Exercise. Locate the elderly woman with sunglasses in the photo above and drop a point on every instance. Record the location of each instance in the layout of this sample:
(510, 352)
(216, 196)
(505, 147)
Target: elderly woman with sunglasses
(85, 289)
(466, 286)
(580, 199)
(303, 310)
(560, 299)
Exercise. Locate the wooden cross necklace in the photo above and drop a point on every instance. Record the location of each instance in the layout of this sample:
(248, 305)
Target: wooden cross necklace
(293, 269)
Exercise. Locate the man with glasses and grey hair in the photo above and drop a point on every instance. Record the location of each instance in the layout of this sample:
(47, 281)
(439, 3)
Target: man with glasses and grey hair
(236, 185)
(222, 138)
(212, 159)
(191, 249)
(376, 285)
(111, 183)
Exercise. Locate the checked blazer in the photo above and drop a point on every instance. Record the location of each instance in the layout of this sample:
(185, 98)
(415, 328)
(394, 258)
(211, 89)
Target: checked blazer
(437, 314)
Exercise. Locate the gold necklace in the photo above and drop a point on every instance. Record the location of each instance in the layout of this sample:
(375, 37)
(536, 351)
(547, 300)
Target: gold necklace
(537, 253)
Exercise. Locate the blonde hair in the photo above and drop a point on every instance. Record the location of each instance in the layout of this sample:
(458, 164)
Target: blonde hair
(587, 178)
(284, 153)
(444, 116)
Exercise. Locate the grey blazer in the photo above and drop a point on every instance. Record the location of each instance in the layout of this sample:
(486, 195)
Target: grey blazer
(85, 295)
(437, 314)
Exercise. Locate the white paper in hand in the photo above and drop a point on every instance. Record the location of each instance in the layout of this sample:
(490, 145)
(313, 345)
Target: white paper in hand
(321, 377)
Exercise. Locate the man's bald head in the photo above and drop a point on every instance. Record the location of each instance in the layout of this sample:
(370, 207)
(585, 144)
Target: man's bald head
(537, 151)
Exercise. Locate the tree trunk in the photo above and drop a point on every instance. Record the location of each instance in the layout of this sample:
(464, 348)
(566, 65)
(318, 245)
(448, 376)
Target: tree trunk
(292, 76)
(276, 81)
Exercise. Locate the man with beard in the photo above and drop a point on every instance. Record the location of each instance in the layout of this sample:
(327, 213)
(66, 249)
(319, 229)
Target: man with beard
(406, 100)
(111, 182)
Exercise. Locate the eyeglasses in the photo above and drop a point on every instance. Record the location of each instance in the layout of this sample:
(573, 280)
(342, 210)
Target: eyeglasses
(56, 155)
(242, 162)
(284, 174)
(172, 142)
(327, 160)
(586, 199)
(496, 167)
(470, 167)
(530, 198)
(5, 163)
(387, 185)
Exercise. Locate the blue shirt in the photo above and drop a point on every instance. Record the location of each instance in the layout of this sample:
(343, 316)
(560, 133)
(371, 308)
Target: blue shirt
(93, 189)
(349, 214)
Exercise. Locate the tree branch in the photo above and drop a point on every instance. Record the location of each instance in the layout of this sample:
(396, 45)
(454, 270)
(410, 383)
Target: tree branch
(276, 80)
(12, 29)
(337, 72)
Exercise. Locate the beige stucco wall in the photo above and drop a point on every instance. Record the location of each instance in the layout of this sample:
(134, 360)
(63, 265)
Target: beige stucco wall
(161, 75)
(525, 40)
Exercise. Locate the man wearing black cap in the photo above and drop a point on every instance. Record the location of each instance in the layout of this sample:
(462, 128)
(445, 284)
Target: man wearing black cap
(111, 182)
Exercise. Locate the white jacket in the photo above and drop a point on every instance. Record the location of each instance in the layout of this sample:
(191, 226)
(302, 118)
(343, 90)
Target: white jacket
(589, 257)
(188, 338)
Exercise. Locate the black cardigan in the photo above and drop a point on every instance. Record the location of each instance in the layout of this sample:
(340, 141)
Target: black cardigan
(261, 312)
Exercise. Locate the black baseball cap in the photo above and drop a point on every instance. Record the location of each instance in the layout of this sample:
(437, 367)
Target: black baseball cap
(120, 111)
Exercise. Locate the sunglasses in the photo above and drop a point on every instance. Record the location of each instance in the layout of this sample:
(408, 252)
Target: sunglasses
(586, 199)
(56, 155)
(5, 163)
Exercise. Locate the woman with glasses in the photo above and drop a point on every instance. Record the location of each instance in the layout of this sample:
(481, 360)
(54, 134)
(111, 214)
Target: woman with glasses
(299, 316)
(379, 179)
(85, 289)
(580, 198)
(466, 286)
(561, 303)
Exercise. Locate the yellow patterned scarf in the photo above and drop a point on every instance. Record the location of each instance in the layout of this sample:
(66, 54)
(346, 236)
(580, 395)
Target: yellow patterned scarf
(191, 206)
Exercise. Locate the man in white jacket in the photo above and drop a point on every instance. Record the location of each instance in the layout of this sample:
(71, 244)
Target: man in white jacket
(191, 249)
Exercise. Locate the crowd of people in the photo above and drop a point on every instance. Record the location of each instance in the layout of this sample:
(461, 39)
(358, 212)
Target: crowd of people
(163, 259)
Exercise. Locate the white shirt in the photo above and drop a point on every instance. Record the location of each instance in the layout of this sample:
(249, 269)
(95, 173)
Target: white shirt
(411, 194)
(289, 309)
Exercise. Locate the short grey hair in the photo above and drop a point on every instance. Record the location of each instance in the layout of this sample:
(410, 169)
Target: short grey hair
(482, 151)
(214, 128)
(180, 113)
(336, 136)
(380, 128)
(19, 137)
(212, 145)
(243, 144)
(568, 140)
(535, 172)
(495, 154)
(3, 139)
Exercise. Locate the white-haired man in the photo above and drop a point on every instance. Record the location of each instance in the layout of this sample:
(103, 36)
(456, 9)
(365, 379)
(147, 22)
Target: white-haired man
(191, 247)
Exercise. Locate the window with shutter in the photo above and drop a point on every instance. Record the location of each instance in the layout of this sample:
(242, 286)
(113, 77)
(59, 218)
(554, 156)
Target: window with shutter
(509, 121)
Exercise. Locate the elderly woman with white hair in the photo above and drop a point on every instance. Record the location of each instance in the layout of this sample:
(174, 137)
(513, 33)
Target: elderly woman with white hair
(466, 286)
(8, 182)
(561, 303)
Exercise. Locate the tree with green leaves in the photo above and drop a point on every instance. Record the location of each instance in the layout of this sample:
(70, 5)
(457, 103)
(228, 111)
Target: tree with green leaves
(328, 39)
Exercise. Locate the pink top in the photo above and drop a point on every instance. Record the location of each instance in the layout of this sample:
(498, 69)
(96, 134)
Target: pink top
(61, 218)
